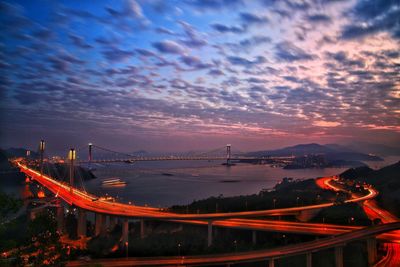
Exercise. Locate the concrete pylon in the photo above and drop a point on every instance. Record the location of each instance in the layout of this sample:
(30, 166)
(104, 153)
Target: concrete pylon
(209, 236)
(60, 218)
(99, 224)
(271, 262)
(112, 222)
(339, 256)
(125, 231)
(371, 249)
(81, 223)
(142, 229)
(309, 259)
(254, 237)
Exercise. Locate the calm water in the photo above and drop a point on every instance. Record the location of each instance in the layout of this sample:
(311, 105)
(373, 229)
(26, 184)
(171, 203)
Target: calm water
(167, 183)
(180, 182)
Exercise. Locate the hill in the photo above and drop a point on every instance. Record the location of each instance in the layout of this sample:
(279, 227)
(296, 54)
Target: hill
(9, 174)
(19, 152)
(316, 155)
(331, 151)
(386, 180)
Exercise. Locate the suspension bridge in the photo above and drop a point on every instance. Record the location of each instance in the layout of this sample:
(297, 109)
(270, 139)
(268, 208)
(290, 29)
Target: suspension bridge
(103, 208)
(219, 154)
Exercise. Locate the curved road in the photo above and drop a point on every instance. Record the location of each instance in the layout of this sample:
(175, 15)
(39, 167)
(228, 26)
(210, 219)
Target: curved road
(256, 255)
(92, 203)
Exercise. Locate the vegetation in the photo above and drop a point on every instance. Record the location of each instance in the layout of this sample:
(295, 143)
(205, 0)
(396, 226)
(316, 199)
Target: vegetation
(32, 242)
(386, 180)
(8, 173)
(171, 239)
(8, 205)
(346, 214)
(288, 193)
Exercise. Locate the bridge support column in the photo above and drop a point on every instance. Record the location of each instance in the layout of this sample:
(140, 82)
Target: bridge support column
(371, 249)
(228, 155)
(125, 231)
(112, 222)
(209, 236)
(254, 237)
(81, 223)
(142, 229)
(99, 224)
(60, 218)
(339, 256)
(271, 262)
(309, 259)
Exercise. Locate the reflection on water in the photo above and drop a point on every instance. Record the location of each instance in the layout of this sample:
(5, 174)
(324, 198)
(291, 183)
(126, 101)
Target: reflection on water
(167, 183)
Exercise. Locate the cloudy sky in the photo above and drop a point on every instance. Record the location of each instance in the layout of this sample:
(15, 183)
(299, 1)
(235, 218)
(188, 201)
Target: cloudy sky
(197, 74)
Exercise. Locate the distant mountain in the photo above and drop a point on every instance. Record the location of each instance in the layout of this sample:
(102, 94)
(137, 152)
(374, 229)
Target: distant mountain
(19, 152)
(331, 152)
(4, 164)
(9, 173)
(297, 150)
(139, 153)
(378, 149)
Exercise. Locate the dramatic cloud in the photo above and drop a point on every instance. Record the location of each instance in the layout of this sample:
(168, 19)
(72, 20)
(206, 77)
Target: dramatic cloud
(250, 18)
(169, 47)
(319, 18)
(224, 28)
(157, 75)
(287, 51)
(372, 16)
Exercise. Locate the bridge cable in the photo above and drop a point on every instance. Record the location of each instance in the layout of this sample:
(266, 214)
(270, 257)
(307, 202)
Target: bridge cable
(211, 151)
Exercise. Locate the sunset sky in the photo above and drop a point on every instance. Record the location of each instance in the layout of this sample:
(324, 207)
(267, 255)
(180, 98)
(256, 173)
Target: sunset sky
(192, 74)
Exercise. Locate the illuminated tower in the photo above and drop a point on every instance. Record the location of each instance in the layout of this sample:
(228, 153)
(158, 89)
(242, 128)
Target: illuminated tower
(228, 155)
(71, 157)
(41, 150)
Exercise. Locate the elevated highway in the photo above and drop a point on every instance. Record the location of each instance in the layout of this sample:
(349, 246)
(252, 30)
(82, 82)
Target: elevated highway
(88, 202)
(258, 255)
(92, 203)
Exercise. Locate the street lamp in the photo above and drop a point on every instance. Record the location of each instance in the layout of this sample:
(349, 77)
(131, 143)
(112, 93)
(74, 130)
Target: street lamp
(235, 243)
(297, 201)
(71, 157)
(179, 249)
(274, 201)
(127, 247)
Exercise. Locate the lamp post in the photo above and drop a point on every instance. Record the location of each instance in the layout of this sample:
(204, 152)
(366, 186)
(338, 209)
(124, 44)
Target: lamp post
(41, 149)
(71, 157)
(274, 201)
(127, 248)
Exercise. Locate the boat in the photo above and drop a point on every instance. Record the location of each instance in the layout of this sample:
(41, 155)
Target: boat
(113, 182)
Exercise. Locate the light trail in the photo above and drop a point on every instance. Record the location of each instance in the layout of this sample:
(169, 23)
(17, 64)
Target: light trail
(90, 202)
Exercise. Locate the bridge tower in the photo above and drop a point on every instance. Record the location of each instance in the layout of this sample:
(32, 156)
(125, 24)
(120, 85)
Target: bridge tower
(71, 157)
(41, 150)
(90, 153)
(228, 155)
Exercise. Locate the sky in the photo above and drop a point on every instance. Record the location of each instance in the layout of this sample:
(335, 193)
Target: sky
(199, 74)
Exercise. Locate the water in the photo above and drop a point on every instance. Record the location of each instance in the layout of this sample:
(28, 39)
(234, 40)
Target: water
(162, 184)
